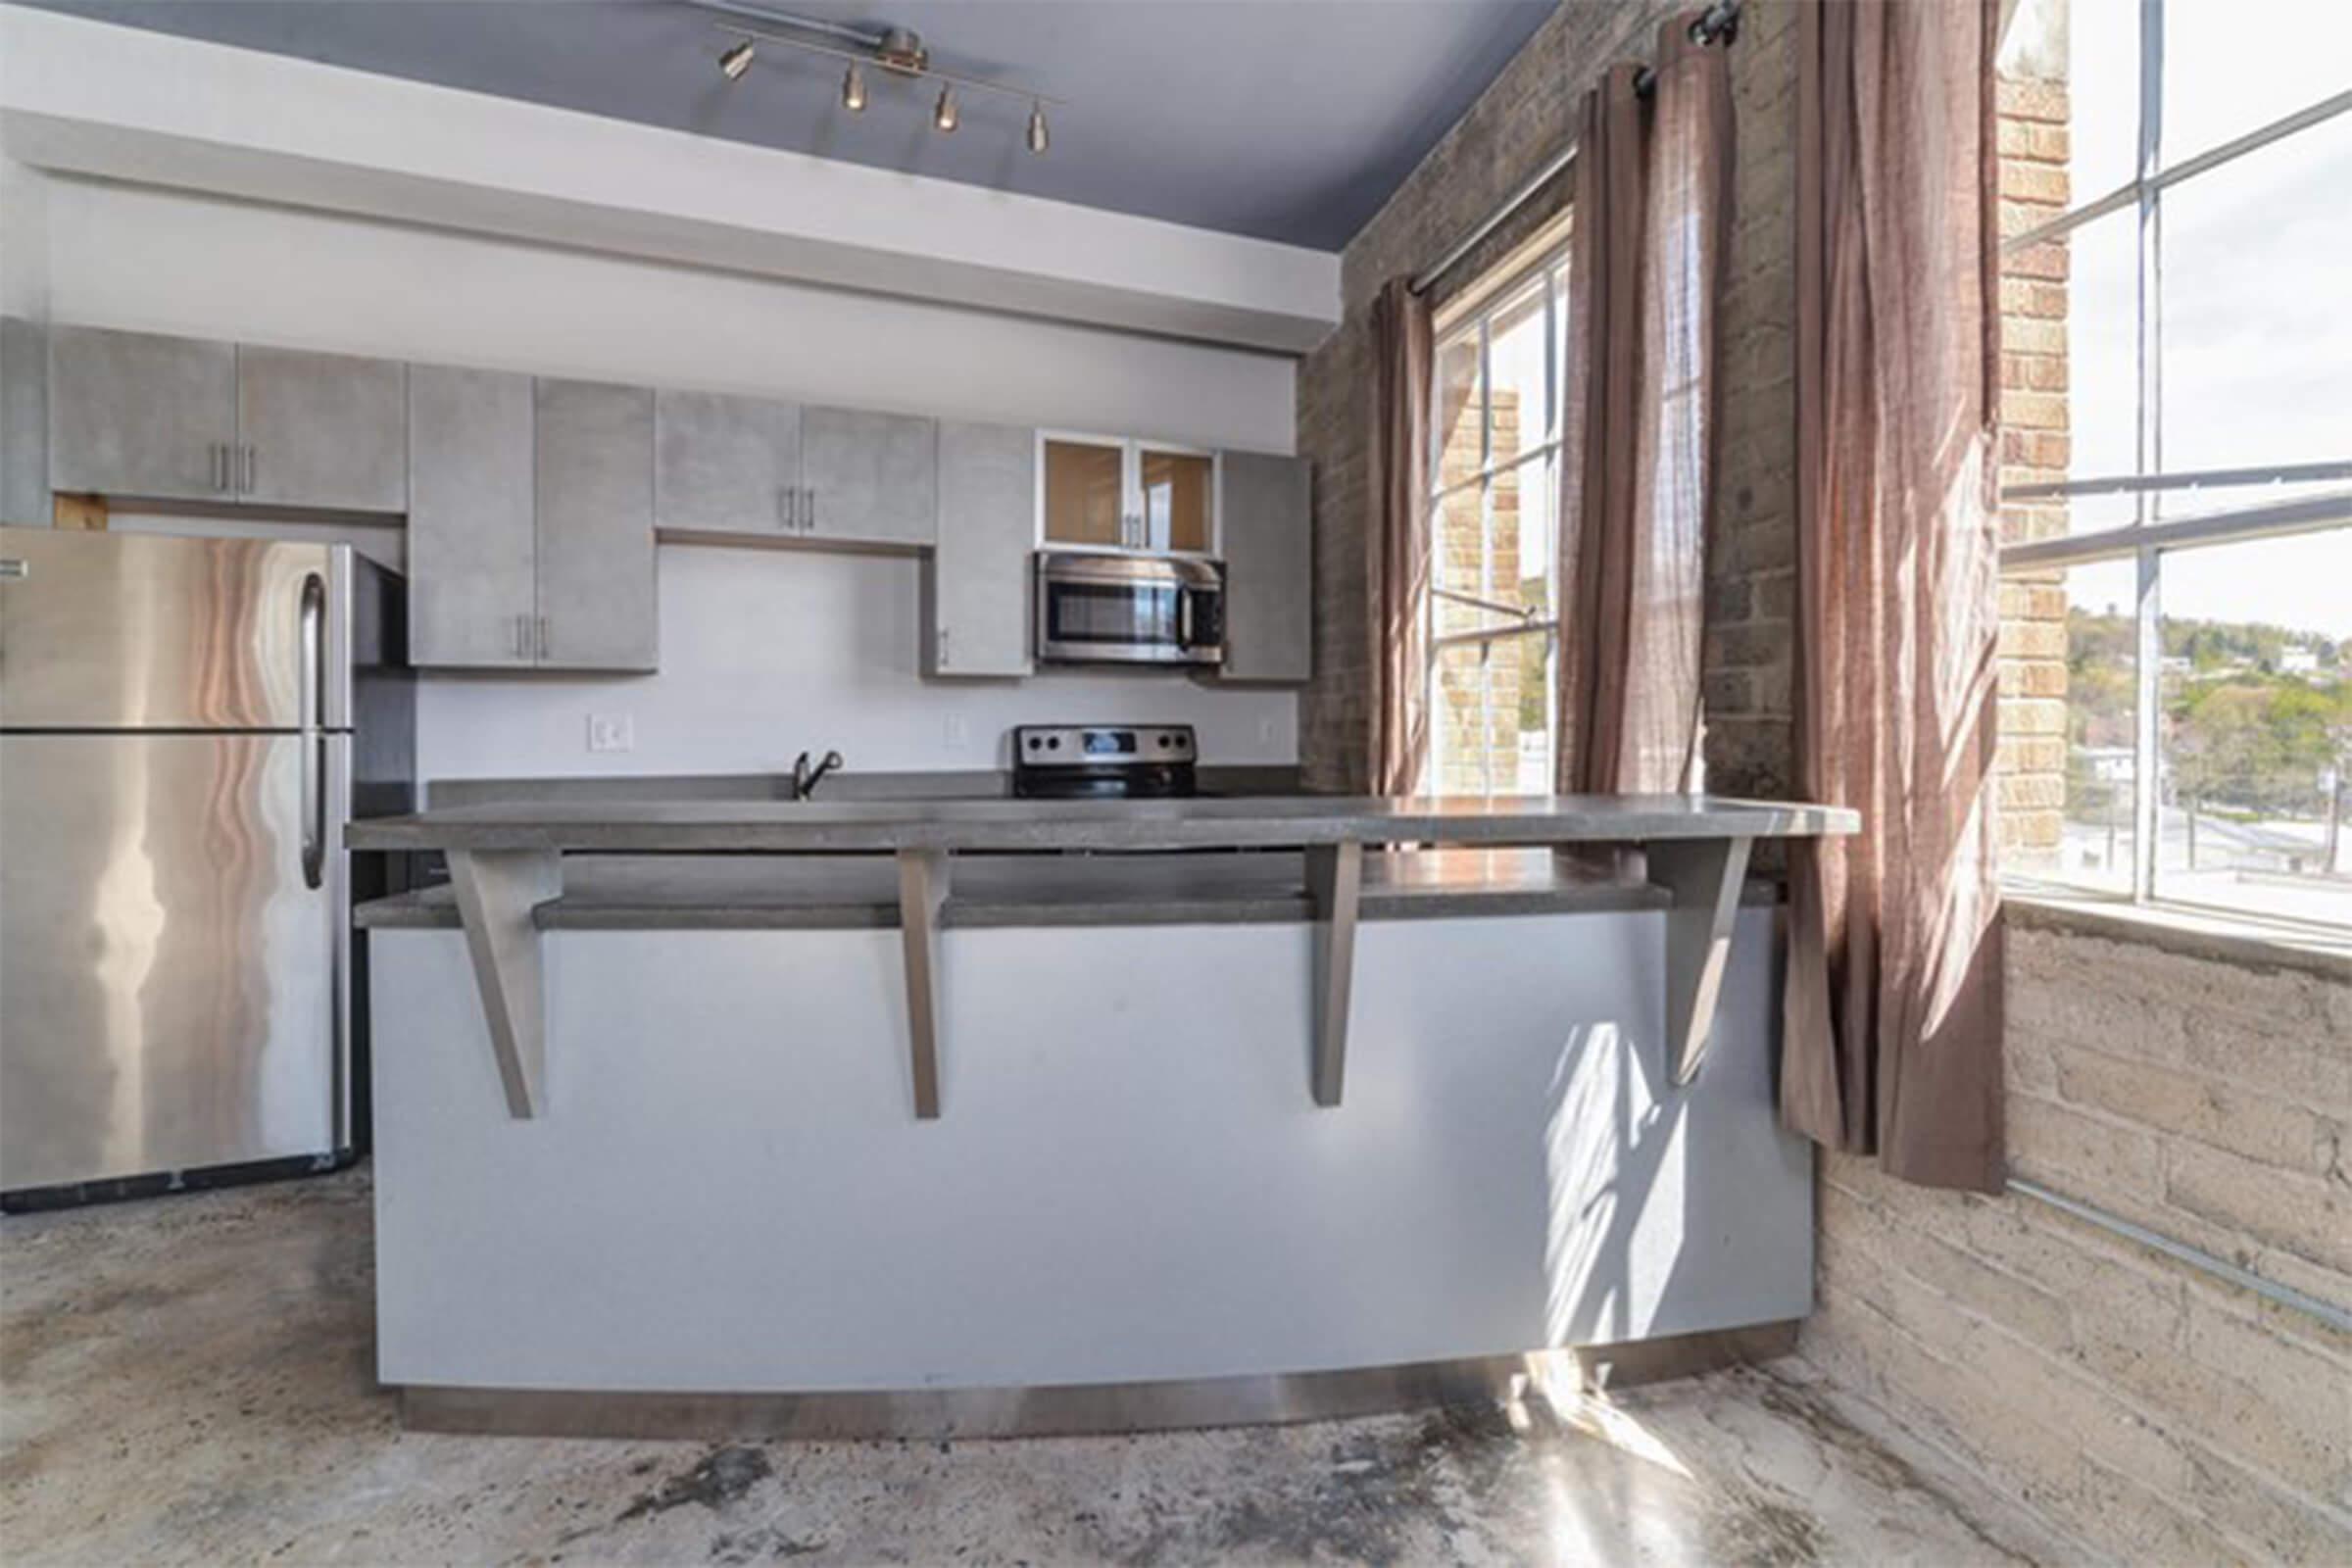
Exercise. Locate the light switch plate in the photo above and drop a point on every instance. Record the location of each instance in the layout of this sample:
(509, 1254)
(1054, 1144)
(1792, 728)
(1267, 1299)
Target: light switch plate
(611, 732)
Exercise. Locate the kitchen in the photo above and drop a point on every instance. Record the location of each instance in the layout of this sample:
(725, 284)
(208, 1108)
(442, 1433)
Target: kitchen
(793, 735)
(536, 514)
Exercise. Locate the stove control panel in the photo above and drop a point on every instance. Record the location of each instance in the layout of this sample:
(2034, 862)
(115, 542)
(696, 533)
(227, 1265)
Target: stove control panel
(1102, 745)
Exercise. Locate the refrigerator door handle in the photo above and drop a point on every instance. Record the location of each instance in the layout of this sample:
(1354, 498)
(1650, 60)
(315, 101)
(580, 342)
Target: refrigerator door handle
(314, 737)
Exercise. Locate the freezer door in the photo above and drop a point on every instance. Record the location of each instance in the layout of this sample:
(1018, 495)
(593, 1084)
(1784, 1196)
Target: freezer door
(172, 982)
(131, 631)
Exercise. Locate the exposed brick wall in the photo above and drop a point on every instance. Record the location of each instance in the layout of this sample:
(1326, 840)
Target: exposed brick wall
(2147, 1410)
(2151, 1412)
(1522, 119)
(1748, 662)
(2034, 449)
(1525, 116)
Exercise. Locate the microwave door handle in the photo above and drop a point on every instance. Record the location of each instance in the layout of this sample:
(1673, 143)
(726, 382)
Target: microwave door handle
(1184, 617)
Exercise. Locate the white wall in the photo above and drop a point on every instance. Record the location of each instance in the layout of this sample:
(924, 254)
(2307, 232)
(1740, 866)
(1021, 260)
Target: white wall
(763, 652)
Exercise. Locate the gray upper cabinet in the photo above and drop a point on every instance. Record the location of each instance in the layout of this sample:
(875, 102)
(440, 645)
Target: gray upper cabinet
(131, 414)
(594, 464)
(870, 479)
(1263, 509)
(725, 464)
(976, 582)
(472, 559)
(325, 430)
(177, 418)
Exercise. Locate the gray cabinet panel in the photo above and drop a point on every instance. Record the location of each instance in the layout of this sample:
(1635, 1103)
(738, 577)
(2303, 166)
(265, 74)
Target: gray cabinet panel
(870, 477)
(131, 414)
(1264, 514)
(23, 422)
(472, 555)
(726, 464)
(597, 602)
(976, 582)
(322, 430)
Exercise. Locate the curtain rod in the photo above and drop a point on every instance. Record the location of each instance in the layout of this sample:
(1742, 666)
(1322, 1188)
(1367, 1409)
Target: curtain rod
(1719, 23)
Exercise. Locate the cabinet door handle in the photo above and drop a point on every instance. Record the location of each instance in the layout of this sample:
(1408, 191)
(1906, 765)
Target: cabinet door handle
(543, 637)
(808, 508)
(253, 463)
(783, 508)
(220, 456)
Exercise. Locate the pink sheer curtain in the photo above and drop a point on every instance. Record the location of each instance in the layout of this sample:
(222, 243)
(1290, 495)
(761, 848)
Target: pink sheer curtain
(1893, 1006)
(1652, 198)
(1398, 567)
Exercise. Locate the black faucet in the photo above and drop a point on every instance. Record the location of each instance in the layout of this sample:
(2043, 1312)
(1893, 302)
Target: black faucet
(805, 778)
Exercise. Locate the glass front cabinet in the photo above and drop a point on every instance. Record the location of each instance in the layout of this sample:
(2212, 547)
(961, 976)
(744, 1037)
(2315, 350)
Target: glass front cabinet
(1104, 493)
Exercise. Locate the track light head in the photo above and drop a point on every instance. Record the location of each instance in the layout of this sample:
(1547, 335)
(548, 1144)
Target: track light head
(738, 60)
(944, 116)
(1037, 138)
(853, 90)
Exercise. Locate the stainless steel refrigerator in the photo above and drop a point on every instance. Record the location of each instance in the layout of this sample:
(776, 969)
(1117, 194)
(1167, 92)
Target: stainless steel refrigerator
(185, 727)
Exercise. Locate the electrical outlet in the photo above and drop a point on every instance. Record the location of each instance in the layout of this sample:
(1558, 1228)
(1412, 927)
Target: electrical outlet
(957, 736)
(1267, 729)
(611, 732)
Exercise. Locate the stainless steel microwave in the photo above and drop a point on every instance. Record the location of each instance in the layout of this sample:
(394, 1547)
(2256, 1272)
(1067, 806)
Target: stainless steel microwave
(1096, 609)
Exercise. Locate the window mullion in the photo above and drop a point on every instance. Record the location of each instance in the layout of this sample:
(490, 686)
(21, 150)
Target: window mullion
(2148, 666)
(2146, 731)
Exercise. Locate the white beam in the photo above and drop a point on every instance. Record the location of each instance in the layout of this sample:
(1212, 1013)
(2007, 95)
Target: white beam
(88, 98)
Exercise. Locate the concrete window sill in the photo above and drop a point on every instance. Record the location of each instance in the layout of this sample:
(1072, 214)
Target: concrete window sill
(2226, 938)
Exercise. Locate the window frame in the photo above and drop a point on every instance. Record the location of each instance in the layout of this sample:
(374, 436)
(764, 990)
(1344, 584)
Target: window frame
(2145, 540)
(1480, 305)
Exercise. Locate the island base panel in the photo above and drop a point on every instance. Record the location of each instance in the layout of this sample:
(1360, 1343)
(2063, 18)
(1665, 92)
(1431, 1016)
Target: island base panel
(726, 1189)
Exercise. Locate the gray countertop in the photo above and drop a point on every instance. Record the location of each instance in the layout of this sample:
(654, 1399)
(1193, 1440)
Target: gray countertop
(848, 785)
(711, 892)
(1250, 823)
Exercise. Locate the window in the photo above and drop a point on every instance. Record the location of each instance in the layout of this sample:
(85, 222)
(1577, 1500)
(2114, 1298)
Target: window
(1493, 466)
(2177, 463)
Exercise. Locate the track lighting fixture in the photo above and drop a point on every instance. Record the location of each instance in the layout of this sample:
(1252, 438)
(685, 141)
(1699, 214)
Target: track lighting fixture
(895, 51)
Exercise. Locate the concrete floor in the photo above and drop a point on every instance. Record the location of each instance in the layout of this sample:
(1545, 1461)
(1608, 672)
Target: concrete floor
(190, 1381)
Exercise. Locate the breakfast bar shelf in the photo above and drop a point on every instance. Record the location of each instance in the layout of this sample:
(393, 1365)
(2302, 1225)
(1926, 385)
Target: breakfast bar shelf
(507, 864)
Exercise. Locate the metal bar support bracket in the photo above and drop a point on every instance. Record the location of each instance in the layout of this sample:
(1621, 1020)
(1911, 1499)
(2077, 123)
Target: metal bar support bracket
(1705, 877)
(1335, 880)
(923, 890)
(498, 892)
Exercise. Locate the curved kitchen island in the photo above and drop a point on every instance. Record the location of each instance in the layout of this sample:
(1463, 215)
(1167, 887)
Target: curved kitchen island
(906, 1117)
